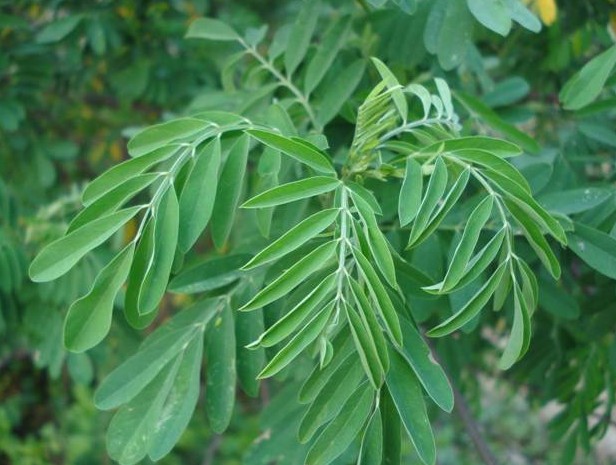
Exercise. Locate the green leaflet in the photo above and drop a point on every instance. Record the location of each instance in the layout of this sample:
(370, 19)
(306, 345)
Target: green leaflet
(299, 342)
(211, 29)
(379, 294)
(370, 322)
(208, 274)
(331, 398)
(366, 195)
(136, 372)
(229, 190)
(295, 237)
(519, 338)
(445, 94)
(327, 51)
(155, 137)
(365, 348)
(180, 403)
(448, 203)
(394, 86)
(286, 325)
(377, 243)
(293, 191)
(301, 152)
(428, 371)
(88, 319)
(371, 451)
(343, 348)
(58, 29)
(530, 287)
(339, 434)
(198, 195)
(494, 163)
(301, 33)
(499, 147)
(472, 307)
(408, 399)
(586, 85)
(410, 193)
(535, 238)
(434, 192)
(61, 255)
(461, 256)
(339, 90)
(221, 370)
(130, 432)
(117, 175)
(292, 277)
(573, 201)
(110, 201)
(165, 236)
(595, 247)
(493, 14)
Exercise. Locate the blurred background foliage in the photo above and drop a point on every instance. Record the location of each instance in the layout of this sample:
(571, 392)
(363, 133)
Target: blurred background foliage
(76, 78)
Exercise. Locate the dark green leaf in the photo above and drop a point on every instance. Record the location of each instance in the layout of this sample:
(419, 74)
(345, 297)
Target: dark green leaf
(595, 247)
(209, 274)
(301, 33)
(211, 29)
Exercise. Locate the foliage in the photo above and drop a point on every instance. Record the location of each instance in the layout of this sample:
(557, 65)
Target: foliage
(355, 238)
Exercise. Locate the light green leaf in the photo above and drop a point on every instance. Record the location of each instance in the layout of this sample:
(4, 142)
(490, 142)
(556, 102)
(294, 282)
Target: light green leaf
(535, 238)
(523, 16)
(58, 29)
(295, 237)
(445, 93)
(61, 255)
(293, 191)
(286, 325)
(394, 86)
(377, 243)
(159, 135)
(221, 370)
(130, 432)
(299, 342)
(333, 39)
(595, 247)
(211, 29)
(493, 14)
(180, 402)
(295, 148)
(198, 195)
(292, 277)
(88, 319)
(434, 192)
(366, 195)
(121, 173)
(165, 236)
(369, 320)
(472, 307)
(428, 371)
(379, 294)
(410, 193)
(586, 85)
(520, 331)
(365, 348)
(209, 274)
(474, 225)
(339, 91)
(341, 432)
(113, 199)
(331, 398)
(229, 190)
(496, 164)
(301, 33)
(408, 399)
(371, 451)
